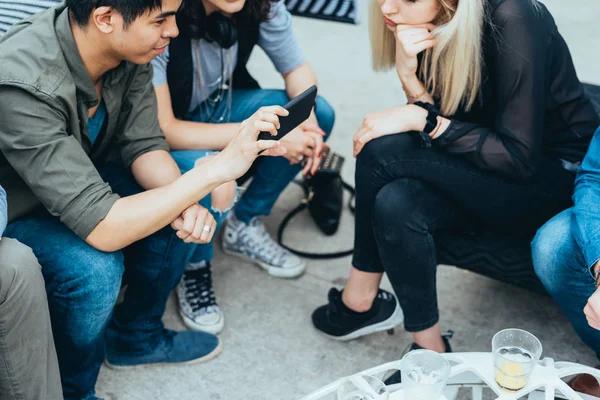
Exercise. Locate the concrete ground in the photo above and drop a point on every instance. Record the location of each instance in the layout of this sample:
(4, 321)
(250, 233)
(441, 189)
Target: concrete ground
(271, 351)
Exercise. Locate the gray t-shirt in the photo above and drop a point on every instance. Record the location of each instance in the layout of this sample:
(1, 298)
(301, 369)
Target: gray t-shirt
(13, 11)
(276, 38)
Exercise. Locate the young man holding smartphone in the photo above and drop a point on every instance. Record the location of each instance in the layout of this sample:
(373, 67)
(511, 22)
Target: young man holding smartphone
(79, 134)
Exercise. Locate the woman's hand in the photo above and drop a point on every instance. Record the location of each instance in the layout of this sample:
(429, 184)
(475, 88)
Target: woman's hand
(305, 145)
(410, 41)
(245, 147)
(395, 120)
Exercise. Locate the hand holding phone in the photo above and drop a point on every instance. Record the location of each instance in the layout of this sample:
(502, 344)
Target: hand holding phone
(300, 108)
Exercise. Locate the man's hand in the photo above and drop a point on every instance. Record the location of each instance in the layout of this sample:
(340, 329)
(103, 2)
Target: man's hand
(244, 148)
(195, 225)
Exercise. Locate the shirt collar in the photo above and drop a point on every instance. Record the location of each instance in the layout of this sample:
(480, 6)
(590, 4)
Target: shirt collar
(83, 82)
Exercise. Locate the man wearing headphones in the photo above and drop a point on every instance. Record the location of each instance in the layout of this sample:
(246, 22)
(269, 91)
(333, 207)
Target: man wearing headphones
(204, 91)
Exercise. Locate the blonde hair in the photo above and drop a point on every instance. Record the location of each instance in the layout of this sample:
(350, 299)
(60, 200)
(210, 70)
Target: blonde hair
(451, 70)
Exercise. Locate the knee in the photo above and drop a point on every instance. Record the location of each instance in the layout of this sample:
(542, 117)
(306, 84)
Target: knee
(553, 249)
(325, 115)
(396, 209)
(91, 277)
(222, 197)
(383, 148)
(19, 269)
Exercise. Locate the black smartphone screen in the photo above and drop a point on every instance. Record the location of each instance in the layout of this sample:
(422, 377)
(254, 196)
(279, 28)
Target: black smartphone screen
(299, 108)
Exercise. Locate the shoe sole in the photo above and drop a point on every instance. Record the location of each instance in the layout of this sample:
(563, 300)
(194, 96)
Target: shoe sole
(393, 321)
(200, 360)
(276, 272)
(191, 324)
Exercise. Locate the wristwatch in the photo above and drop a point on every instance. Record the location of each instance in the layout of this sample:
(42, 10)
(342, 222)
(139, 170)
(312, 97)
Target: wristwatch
(432, 122)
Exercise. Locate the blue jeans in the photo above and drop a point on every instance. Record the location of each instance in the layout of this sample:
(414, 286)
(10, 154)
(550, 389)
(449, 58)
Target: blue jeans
(560, 265)
(273, 174)
(82, 284)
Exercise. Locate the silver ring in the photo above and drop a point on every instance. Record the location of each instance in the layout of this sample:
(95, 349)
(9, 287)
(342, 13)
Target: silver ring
(207, 228)
(301, 159)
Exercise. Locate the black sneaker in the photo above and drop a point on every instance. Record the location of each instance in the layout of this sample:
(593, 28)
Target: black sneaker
(397, 378)
(340, 323)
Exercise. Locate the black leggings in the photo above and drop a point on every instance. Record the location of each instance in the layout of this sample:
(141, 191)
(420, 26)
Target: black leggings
(405, 194)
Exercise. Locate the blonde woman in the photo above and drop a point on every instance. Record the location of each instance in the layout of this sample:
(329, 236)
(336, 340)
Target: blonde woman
(496, 125)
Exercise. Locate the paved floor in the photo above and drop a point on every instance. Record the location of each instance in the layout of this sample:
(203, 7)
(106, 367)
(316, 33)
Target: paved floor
(271, 351)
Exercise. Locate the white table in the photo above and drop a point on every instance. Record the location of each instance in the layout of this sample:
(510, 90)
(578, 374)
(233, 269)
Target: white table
(475, 371)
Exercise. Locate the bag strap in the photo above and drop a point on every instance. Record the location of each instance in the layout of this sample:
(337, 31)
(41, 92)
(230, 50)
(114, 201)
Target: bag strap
(303, 206)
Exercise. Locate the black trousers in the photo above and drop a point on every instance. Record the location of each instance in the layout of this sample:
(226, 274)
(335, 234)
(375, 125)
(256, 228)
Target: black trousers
(405, 194)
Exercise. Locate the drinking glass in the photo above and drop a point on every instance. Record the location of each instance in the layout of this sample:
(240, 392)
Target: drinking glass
(515, 353)
(424, 375)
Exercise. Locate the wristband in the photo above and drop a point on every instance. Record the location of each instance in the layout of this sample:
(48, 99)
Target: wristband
(432, 122)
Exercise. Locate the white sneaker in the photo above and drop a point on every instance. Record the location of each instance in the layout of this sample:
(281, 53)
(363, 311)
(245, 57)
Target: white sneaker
(252, 242)
(197, 304)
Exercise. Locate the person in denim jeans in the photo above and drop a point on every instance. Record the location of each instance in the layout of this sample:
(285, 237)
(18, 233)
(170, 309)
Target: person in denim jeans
(80, 135)
(199, 113)
(566, 257)
(29, 368)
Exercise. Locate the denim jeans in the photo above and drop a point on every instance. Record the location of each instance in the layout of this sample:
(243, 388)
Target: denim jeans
(82, 284)
(271, 174)
(560, 265)
(405, 194)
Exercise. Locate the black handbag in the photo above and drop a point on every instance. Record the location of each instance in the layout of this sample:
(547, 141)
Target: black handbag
(324, 198)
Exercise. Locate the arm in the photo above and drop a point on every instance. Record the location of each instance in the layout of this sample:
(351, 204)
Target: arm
(277, 39)
(180, 134)
(512, 144)
(135, 217)
(53, 164)
(299, 79)
(586, 219)
(186, 135)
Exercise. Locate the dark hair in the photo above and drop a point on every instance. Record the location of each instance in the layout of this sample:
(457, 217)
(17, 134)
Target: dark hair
(80, 10)
(190, 18)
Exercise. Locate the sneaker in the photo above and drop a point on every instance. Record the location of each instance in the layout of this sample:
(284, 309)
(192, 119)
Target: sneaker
(252, 242)
(197, 304)
(184, 347)
(338, 322)
(396, 376)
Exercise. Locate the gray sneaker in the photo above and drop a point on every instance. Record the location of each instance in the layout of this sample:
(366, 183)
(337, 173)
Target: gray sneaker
(197, 304)
(252, 242)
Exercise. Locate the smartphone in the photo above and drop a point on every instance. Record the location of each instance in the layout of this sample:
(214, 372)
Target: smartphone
(300, 108)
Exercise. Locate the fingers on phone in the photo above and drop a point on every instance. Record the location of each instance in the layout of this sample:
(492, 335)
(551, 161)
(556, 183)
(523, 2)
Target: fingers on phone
(263, 126)
(278, 110)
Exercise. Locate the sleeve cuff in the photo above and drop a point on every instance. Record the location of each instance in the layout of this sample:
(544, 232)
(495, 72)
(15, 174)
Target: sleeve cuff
(130, 155)
(88, 211)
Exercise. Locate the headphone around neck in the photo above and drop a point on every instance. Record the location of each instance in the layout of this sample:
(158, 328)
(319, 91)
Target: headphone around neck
(221, 30)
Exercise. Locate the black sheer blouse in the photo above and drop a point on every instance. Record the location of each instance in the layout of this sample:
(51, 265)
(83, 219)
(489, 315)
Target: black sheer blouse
(531, 102)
